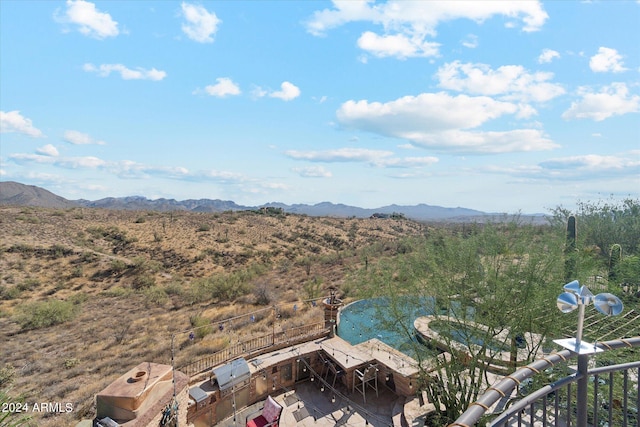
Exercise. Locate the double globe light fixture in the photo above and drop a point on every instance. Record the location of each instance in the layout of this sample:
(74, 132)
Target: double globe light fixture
(576, 296)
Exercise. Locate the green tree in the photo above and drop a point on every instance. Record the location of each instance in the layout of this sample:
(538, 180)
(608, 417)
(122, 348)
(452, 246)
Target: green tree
(499, 276)
(605, 223)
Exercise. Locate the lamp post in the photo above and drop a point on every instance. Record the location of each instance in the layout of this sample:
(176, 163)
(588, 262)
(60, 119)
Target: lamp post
(576, 296)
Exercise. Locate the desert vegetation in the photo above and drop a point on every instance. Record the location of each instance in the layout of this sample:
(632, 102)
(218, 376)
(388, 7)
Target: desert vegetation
(85, 294)
(507, 276)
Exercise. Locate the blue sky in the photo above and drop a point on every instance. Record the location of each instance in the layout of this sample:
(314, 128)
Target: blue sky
(497, 106)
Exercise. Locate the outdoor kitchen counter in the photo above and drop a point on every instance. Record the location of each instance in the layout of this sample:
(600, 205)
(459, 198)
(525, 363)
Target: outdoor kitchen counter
(388, 356)
(344, 354)
(267, 360)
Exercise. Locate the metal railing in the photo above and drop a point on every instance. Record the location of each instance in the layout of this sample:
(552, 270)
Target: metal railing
(557, 404)
(255, 346)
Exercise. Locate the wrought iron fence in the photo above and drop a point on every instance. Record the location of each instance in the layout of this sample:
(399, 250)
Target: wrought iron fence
(255, 346)
(613, 397)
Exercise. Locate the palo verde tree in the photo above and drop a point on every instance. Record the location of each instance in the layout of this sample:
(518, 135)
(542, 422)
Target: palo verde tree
(486, 287)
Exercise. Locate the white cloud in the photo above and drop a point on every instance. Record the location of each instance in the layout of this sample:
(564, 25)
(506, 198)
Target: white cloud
(547, 56)
(406, 25)
(591, 166)
(606, 60)
(470, 42)
(510, 82)
(48, 150)
(424, 17)
(340, 155)
(313, 172)
(397, 45)
(200, 24)
(88, 162)
(258, 92)
(79, 138)
(612, 100)
(588, 167)
(378, 158)
(13, 121)
(224, 87)
(288, 92)
(90, 21)
(407, 162)
(426, 111)
(138, 73)
(127, 169)
(441, 121)
(344, 12)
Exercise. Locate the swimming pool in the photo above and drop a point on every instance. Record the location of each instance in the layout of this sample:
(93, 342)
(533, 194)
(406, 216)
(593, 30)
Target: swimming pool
(389, 320)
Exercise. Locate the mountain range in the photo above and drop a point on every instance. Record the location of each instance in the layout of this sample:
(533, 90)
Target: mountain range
(17, 194)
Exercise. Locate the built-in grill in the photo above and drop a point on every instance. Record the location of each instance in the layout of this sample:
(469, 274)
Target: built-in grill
(231, 377)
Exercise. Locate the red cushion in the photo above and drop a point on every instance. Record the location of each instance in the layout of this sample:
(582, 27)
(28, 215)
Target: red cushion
(257, 422)
(271, 410)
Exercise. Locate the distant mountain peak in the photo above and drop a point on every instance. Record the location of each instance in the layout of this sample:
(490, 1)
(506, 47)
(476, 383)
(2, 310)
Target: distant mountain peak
(14, 193)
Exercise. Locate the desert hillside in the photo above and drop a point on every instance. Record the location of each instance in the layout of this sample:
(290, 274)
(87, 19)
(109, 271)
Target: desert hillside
(85, 294)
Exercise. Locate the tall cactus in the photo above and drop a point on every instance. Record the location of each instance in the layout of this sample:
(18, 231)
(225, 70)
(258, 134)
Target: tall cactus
(615, 255)
(570, 259)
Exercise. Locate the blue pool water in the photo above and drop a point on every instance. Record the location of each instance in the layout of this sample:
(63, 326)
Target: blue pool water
(371, 318)
(391, 321)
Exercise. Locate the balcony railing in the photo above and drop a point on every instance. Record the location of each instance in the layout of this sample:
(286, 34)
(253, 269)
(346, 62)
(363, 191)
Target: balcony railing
(255, 346)
(613, 398)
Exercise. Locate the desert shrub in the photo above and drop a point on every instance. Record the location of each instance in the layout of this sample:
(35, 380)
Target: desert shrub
(155, 295)
(41, 314)
(140, 220)
(22, 248)
(313, 288)
(262, 294)
(59, 251)
(201, 325)
(143, 281)
(305, 263)
(28, 285)
(87, 257)
(118, 266)
(76, 272)
(334, 258)
(284, 266)
(228, 289)
(144, 264)
(117, 291)
(204, 227)
(78, 298)
(196, 292)
(7, 372)
(174, 288)
(9, 292)
(71, 362)
(121, 333)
